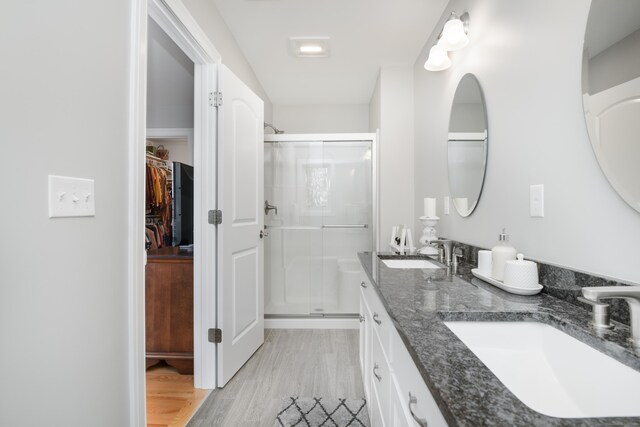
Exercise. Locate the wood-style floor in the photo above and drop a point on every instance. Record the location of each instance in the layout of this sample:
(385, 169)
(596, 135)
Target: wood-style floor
(302, 362)
(171, 398)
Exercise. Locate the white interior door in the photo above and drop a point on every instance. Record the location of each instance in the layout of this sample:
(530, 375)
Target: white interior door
(241, 197)
(612, 119)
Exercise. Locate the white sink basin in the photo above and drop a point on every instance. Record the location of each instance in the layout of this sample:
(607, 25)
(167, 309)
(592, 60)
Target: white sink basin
(409, 263)
(552, 372)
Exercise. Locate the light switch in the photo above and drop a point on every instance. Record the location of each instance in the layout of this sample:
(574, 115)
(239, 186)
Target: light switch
(446, 205)
(536, 201)
(69, 197)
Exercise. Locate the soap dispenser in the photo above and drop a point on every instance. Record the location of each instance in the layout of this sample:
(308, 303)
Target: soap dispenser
(500, 254)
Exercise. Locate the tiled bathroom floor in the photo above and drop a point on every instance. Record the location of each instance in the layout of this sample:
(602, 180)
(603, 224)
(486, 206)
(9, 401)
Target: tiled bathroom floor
(302, 362)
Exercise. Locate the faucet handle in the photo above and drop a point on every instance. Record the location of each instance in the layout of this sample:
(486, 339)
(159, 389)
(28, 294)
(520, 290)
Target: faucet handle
(600, 313)
(458, 254)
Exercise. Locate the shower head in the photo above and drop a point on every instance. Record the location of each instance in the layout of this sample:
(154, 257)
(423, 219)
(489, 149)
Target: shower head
(269, 125)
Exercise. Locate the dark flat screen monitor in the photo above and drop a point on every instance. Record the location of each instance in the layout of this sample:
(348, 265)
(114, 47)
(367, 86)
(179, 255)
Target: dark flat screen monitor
(182, 211)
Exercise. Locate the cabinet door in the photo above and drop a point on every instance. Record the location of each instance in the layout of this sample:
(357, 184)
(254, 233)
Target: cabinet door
(365, 346)
(400, 415)
(169, 307)
(375, 412)
(409, 380)
(381, 376)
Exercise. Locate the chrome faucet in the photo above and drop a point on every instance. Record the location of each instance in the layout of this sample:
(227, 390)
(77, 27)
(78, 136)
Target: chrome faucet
(631, 294)
(448, 249)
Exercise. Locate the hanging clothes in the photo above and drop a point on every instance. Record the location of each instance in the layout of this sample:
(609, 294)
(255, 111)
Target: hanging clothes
(158, 202)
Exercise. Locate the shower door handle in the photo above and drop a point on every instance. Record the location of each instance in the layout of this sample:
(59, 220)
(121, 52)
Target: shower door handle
(268, 207)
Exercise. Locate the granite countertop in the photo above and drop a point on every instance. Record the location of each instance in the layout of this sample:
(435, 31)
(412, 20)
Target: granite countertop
(467, 392)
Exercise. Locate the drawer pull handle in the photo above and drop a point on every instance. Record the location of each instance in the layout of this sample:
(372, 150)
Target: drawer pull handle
(364, 285)
(375, 373)
(414, 401)
(361, 318)
(376, 319)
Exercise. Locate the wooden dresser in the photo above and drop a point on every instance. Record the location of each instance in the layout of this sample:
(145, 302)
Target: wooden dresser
(169, 308)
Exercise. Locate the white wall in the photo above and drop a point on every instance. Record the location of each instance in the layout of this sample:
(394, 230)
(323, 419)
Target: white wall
(391, 111)
(321, 118)
(169, 82)
(180, 150)
(211, 22)
(63, 286)
(374, 107)
(531, 78)
(64, 87)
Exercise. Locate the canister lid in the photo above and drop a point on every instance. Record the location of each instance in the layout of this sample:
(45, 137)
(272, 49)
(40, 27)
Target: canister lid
(520, 261)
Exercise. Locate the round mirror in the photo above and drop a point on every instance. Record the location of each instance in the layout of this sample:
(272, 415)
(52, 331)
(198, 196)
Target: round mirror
(611, 92)
(467, 145)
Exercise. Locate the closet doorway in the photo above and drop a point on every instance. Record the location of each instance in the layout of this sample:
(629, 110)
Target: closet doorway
(174, 145)
(171, 396)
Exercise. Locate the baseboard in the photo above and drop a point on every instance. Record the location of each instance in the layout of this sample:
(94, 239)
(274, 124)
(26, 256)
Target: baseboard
(323, 323)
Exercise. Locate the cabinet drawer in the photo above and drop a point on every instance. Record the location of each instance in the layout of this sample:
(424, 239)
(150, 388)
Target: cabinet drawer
(409, 380)
(365, 346)
(366, 288)
(381, 323)
(381, 378)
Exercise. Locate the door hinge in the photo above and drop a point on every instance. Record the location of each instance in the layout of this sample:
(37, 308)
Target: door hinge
(215, 217)
(215, 335)
(215, 99)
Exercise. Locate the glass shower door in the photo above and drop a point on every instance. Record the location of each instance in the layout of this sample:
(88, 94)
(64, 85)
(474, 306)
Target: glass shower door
(347, 219)
(323, 193)
(293, 255)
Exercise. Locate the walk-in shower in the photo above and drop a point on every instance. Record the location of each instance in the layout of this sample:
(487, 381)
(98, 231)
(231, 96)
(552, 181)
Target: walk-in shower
(322, 187)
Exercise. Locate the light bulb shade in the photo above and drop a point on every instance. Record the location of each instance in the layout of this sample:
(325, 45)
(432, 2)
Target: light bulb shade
(453, 35)
(438, 59)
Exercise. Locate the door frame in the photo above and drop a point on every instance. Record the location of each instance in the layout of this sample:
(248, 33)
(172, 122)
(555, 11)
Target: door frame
(175, 19)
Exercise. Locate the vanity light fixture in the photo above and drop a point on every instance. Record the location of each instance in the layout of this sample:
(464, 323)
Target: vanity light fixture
(454, 34)
(438, 59)
(452, 37)
(309, 47)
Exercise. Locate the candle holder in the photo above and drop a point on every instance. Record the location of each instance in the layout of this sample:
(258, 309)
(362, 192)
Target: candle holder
(428, 235)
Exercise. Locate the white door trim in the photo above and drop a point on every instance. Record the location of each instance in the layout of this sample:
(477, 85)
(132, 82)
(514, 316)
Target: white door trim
(174, 18)
(135, 212)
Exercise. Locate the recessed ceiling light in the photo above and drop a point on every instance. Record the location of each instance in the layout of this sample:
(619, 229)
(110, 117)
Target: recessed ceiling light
(310, 47)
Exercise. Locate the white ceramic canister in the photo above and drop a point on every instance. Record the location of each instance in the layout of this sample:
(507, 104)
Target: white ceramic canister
(520, 273)
(484, 262)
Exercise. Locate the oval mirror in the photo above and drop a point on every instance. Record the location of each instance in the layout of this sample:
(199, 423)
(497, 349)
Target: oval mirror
(611, 92)
(467, 145)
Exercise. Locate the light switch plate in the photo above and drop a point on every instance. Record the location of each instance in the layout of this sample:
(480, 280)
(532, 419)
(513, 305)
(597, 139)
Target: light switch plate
(536, 201)
(446, 203)
(71, 197)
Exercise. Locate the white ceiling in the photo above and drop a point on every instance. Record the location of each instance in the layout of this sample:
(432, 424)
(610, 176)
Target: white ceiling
(365, 34)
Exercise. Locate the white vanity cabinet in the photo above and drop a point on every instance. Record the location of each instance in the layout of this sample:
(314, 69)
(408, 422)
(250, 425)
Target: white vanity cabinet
(390, 376)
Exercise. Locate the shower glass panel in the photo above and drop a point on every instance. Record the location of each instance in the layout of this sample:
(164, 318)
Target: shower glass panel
(323, 192)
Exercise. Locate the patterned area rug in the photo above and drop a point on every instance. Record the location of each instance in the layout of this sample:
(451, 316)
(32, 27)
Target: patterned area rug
(320, 412)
